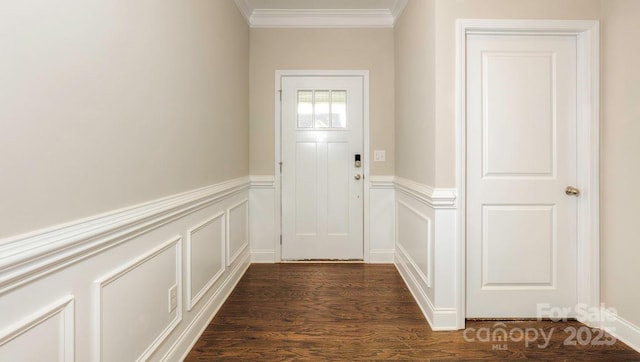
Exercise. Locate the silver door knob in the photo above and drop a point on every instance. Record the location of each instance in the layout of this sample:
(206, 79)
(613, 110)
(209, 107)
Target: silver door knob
(572, 191)
(358, 176)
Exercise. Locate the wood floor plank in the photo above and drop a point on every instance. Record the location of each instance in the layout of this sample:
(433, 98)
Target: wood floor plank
(319, 312)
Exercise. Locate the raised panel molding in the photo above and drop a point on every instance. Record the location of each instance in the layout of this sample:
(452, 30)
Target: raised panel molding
(63, 308)
(440, 319)
(113, 259)
(424, 276)
(264, 231)
(192, 299)
(232, 254)
(102, 283)
(33, 255)
(381, 224)
(435, 291)
(184, 343)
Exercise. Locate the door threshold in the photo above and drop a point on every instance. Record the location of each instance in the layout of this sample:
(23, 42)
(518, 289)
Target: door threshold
(322, 261)
(533, 319)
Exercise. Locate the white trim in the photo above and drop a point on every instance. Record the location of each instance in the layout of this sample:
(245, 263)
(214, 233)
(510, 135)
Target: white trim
(440, 319)
(587, 36)
(193, 300)
(263, 256)
(231, 258)
(397, 9)
(174, 242)
(382, 256)
(262, 181)
(245, 9)
(188, 338)
(426, 278)
(625, 331)
(263, 230)
(26, 257)
(381, 182)
(319, 18)
(65, 306)
(435, 198)
(364, 74)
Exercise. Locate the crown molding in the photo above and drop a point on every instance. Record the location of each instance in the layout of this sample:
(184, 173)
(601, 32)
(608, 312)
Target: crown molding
(245, 9)
(315, 18)
(397, 9)
(320, 18)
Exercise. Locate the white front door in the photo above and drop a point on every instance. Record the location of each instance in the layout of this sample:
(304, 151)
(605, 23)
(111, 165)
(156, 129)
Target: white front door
(521, 156)
(322, 186)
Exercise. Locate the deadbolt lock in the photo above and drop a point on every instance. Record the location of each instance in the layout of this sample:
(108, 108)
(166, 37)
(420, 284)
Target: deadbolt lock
(358, 160)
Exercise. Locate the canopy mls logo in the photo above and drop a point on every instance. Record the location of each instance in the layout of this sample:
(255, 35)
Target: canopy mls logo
(501, 334)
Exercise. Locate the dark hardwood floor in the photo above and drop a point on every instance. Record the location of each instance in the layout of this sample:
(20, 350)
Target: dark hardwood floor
(365, 312)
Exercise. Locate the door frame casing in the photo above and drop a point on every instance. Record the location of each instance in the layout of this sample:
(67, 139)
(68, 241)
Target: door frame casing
(588, 153)
(279, 74)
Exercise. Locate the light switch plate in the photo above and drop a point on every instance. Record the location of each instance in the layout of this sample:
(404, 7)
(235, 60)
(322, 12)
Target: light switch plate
(379, 155)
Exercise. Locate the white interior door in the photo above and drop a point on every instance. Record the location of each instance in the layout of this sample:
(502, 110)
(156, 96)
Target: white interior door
(322, 186)
(521, 156)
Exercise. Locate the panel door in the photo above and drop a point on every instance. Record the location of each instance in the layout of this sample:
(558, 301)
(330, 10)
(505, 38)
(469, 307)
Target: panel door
(322, 203)
(521, 156)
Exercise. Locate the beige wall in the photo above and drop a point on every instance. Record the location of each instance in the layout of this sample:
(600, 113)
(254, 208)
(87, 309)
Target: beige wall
(620, 169)
(111, 103)
(286, 49)
(414, 39)
(447, 11)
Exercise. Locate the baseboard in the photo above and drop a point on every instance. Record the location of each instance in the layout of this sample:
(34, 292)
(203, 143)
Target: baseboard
(185, 342)
(623, 330)
(382, 256)
(263, 256)
(439, 319)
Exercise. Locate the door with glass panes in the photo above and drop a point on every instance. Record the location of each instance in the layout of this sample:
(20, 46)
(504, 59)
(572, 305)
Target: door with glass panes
(322, 182)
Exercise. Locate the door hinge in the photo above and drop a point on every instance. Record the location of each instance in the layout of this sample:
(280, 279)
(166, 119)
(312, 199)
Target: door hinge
(280, 91)
(280, 163)
(280, 240)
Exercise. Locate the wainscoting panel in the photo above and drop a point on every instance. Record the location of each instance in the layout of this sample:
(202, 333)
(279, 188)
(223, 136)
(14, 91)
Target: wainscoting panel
(415, 239)
(237, 230)
(116, 278)
(205, 257)
(425, 249)
(135, 309)
(47, 335)
(381, 219)
(264, 230)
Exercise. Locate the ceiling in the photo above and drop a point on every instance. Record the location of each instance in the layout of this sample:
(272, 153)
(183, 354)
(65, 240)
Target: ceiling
(321, 13)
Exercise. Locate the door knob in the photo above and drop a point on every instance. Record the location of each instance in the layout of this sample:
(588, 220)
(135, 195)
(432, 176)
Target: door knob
(572, 191)
(358, 176)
